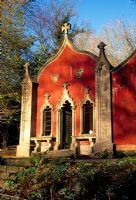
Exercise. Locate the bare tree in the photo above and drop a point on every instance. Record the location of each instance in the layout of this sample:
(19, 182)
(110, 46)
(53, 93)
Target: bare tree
(87, 41)
(46, 20)
(119, 36)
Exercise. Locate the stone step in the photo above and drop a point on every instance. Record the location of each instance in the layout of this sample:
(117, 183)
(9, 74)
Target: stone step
(3, 168)
(10, 169)
(66, 153)
(18, 162)
(2, 183)
(4, 176)
(7, 171)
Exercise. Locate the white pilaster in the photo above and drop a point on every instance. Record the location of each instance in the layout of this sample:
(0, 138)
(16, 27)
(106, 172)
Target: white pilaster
(23, 149)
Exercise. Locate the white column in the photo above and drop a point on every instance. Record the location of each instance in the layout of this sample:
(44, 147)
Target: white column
(23, 149)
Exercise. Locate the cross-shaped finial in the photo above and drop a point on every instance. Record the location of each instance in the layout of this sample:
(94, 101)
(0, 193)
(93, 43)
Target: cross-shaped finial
(47, 96)
(65, 85)
(66, 27)
(87, 90)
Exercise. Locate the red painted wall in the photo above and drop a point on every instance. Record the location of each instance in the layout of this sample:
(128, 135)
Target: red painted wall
(124, 103)
(65, 65)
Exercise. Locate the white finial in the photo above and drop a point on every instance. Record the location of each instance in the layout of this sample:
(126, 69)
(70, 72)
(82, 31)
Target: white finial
(66, 27)
(65, 85)
(47, 96)
(87, 90)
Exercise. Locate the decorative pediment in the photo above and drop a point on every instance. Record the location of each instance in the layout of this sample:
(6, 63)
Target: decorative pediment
(54, 77)
(87, 96)
(79, 73)
(46, 102)
(66, 97)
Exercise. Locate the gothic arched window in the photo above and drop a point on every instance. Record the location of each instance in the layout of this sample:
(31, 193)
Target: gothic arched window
(87, 117)
(46, 121)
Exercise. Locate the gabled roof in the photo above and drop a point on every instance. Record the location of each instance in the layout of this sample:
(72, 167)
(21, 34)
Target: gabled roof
(65, 43)
(122, 64)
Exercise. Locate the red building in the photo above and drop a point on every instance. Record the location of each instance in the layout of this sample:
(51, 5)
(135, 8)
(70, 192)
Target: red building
(79, 101)
(124, 104)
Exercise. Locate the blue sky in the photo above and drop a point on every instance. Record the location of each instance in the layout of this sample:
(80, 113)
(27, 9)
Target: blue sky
(102, 12)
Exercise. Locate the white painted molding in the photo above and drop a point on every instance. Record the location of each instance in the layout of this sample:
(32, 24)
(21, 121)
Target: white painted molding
(65, 97)
(87, 97)
(44, 106)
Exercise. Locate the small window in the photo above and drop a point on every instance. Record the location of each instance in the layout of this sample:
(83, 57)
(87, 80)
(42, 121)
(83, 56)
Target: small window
(46, 121)
(87, 117)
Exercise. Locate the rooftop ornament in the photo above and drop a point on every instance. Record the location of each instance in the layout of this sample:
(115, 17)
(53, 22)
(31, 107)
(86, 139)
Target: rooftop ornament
(65, 28)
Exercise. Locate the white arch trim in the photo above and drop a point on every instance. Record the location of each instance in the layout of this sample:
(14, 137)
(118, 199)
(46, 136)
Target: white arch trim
(87, 97)
(65, 97)
(44, 106)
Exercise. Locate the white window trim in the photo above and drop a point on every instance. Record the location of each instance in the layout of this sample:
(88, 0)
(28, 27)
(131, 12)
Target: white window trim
(44, 106)
(86, 98)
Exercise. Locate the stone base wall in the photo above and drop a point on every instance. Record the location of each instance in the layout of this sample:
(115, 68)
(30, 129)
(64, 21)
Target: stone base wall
(100, 147)
(84, 147)
(127, 147)
(23, 150)
(45, 146)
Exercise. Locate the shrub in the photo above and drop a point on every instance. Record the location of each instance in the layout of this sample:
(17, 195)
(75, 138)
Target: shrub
(2, 161)
(120, 154)
(60, 179)
(10, 183)
(37, 160)
(103, 155)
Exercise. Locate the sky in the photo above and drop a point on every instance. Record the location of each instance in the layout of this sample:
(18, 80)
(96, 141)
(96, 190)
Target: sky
(101, 12)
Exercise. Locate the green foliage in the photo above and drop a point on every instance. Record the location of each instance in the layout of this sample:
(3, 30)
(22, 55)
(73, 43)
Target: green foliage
(31, 170)
(10, 107)
(109, 154)
(15, 46)
(126, 162)
(103, 155)
(10, 183)
(120, 154)
(20, 175)
(2, 161)
(10, 115)
(38, 59)
(34, 195)
(60, 179)
(35, 160)
(132, 159)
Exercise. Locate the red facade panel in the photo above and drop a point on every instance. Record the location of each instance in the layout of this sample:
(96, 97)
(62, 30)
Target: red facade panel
(66, 67)
(124, 103)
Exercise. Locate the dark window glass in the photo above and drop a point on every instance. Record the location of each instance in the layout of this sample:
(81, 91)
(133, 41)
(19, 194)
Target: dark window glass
(46, 121)
(87, 117)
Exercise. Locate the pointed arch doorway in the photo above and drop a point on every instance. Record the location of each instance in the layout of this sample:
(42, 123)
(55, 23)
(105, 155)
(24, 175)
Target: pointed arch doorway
(66, 125)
